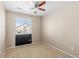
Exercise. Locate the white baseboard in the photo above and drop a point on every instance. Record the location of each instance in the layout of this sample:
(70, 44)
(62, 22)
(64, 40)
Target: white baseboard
(10, 47)
(2, 53)
(37, 42)
(34, 42)
(71, 55)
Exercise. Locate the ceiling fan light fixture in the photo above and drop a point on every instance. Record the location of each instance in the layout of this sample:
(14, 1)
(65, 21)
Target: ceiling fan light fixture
(37, 6)
(35, 12)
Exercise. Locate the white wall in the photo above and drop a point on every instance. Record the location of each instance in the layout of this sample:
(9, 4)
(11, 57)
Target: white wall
(11, 27)
(2, 29)
(61, 28)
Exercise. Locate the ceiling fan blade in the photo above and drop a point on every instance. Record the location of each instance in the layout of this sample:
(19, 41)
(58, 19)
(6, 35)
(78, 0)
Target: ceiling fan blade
(41, 9)
(42, 3)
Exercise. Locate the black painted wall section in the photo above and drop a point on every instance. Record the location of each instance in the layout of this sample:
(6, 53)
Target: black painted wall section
(23, 39)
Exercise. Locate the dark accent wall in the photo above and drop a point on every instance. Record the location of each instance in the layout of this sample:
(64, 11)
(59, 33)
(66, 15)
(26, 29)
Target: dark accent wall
(23, 39)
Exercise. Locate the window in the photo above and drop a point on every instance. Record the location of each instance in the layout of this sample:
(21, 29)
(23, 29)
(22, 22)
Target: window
(23, 26)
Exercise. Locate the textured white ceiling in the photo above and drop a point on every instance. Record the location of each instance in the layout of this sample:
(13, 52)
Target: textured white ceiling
(26, 5)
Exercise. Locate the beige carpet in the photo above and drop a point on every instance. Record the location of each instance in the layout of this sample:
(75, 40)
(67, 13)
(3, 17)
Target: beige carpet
(34, 51)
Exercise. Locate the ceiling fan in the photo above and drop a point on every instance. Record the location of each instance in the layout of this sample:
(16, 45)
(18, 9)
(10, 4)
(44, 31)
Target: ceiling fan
(37, 5)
